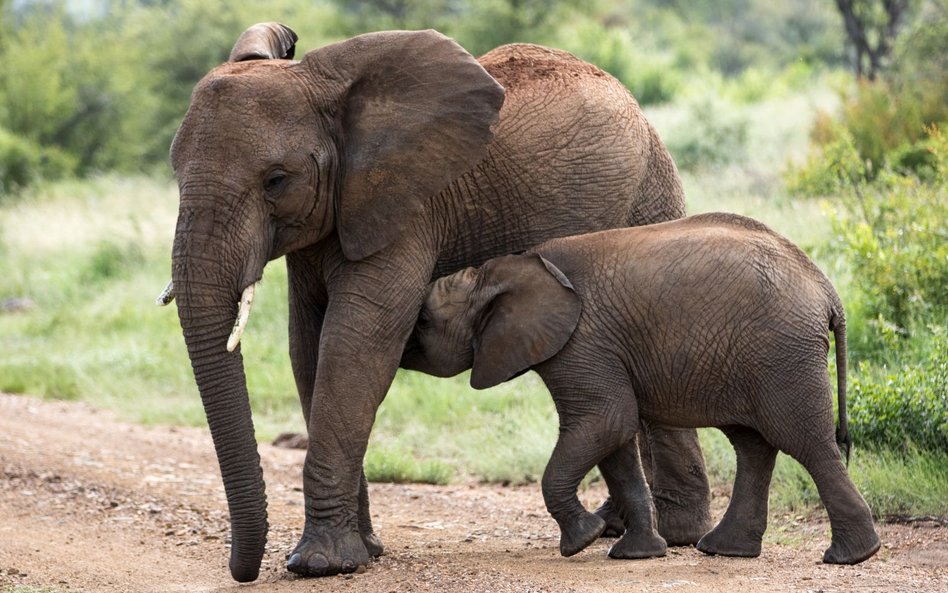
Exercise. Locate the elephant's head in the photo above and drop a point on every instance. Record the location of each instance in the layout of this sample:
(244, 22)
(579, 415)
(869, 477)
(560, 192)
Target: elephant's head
(498, 320)
(275, 155)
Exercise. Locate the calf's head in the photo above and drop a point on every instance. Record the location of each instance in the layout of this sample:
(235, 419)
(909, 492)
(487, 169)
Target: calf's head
(497, 320)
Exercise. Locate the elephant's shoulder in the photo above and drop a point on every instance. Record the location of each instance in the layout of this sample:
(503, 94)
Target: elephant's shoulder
(519, 63)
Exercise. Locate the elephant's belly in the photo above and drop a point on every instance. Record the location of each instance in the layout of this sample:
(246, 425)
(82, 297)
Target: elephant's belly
(694, 411)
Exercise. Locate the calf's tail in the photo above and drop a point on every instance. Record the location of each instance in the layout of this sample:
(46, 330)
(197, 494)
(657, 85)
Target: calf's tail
(838, 325)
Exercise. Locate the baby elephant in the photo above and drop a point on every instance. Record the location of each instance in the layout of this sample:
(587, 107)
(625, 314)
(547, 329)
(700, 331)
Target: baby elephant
(713, 320)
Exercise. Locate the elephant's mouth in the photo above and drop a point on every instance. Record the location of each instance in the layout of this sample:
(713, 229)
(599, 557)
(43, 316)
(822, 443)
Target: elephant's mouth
(243, 311)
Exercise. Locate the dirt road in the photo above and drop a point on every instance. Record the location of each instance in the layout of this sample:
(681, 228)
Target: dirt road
(88, 503)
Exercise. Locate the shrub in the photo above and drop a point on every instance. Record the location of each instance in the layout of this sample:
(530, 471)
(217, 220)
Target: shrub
(110, 260)
(19, 162)
(23, 162)
(711, 135)
(894, 233)
(888, 122)
(650, 76)
(903, 408)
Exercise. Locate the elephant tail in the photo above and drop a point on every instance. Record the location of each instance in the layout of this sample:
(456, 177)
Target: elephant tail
(838, 325)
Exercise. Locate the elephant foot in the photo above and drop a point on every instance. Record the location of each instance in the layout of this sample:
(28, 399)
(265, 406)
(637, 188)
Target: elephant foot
(578, 533)
(682, 521)
(724, 542)
(323, 553)
(373, 545)
(841, 552)
(608, 512)
(633, 546)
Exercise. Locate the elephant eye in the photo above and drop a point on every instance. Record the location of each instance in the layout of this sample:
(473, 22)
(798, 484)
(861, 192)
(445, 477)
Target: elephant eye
(424, 319)
(274, 182)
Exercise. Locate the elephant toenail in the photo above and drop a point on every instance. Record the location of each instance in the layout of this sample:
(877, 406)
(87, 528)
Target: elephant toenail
(318, 562)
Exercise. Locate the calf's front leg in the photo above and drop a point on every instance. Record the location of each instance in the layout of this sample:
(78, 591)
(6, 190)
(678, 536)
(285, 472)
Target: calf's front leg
(632, 499)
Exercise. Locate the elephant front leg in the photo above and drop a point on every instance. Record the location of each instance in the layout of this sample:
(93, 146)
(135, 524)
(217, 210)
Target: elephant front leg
(308, 300)
(573, 457)
(362, 338)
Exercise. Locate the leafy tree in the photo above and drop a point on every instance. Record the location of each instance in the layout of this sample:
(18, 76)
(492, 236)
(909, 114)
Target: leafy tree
(871, 26)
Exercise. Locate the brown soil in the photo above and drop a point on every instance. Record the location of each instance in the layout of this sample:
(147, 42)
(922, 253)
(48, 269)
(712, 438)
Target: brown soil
(88, 503)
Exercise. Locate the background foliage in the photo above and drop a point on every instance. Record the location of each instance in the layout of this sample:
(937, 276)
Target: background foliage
(756, 101)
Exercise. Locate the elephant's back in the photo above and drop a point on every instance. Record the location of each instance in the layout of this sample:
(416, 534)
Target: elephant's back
(517, 64)
(571, 153)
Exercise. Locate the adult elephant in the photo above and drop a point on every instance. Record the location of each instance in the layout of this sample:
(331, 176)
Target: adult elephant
(374, 165)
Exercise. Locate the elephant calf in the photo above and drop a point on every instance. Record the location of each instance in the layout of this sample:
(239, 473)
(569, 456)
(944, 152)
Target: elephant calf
(713, 320)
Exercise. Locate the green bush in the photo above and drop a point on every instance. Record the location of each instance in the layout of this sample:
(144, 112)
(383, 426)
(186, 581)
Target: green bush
(649, 75)
(713, 134)
(894, 233)
(23, 162)
(19, 162)
(904, 408)
(888, 122)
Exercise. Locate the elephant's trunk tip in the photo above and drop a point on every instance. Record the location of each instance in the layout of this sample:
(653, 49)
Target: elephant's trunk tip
(166, 296)
(243, 314)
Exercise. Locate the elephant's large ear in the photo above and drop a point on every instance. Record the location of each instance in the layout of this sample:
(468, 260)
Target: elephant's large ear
(265, 41)
(416, 111)
(530, 319)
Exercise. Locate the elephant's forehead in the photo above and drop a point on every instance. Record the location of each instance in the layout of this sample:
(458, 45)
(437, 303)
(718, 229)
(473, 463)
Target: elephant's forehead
(257, 97)
(244, 113)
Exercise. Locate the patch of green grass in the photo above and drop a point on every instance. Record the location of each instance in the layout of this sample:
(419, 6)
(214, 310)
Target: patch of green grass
(912, 483)
(503, 434)
(395, 465)
(92, 258)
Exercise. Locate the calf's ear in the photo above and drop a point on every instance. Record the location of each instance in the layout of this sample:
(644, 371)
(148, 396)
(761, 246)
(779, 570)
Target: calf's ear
(529, 314)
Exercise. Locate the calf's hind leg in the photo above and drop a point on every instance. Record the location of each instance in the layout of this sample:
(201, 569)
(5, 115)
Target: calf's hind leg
(854, 536)
(742, 528)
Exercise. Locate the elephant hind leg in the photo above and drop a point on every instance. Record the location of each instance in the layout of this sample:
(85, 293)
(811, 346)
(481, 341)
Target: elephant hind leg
(742, 528)
(674, 466)
(854, 538)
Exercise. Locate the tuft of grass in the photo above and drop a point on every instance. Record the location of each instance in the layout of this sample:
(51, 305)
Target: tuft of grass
(398, 466)
(897, 483)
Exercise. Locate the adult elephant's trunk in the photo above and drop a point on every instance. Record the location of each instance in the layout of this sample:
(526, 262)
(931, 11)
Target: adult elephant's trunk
(207, 313)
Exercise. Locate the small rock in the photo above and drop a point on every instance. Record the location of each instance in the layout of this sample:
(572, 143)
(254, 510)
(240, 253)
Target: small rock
(291, 440)
(17, 305)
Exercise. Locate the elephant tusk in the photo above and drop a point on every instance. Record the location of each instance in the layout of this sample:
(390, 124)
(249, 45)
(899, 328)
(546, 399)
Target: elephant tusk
(167, 295)
(243, 314)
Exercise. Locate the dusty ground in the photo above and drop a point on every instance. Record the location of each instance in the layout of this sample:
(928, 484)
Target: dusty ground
(88, 503)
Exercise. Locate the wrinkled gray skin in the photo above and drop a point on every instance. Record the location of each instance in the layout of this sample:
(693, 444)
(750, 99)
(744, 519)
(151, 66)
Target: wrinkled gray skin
(714, 320)
(374, 165)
